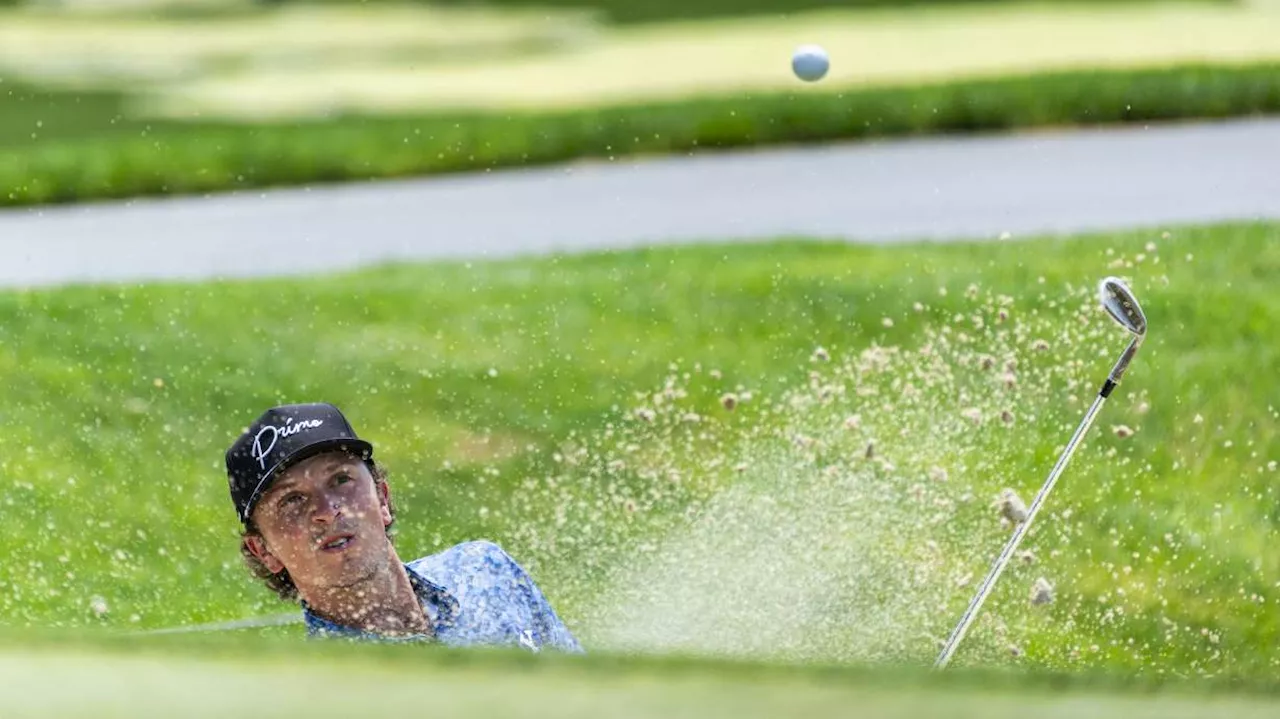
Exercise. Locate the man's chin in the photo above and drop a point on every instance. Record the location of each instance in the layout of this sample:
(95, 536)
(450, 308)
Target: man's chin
(347, 576)
(352, 574)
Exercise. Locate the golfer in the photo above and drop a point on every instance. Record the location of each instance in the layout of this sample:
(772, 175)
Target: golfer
(317, 512)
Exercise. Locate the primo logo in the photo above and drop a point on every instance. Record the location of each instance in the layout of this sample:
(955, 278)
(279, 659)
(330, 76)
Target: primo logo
(288, 430)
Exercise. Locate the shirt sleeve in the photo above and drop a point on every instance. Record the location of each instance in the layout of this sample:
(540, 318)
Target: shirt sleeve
(553, 631)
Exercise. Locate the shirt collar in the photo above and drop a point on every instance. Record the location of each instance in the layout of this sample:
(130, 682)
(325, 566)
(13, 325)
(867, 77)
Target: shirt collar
(440, 606)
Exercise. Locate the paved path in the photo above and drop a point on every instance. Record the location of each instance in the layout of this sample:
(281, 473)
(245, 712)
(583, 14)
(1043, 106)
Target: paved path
(884, 191)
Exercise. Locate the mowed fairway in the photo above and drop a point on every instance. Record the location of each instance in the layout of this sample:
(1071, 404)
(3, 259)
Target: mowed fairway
(880, 47)
(302, 61)
(506, 399)
(274, 679)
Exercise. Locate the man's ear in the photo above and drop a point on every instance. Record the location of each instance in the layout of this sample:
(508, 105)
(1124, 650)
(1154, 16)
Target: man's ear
(257, 546)
(384, 502)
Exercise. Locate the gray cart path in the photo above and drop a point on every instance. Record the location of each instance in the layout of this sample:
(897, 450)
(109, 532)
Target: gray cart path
(937, 188)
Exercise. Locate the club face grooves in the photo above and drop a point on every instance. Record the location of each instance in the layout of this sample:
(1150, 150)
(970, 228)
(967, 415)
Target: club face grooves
(1123, 307)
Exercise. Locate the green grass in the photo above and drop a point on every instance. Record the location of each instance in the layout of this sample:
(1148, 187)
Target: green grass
(96, 156)
(623, 11)
(616, 11)
(31, 117)
(469, 377)
(307, 61)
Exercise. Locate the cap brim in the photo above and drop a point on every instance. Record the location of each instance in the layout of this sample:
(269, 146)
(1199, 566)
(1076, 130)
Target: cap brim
(357, 447)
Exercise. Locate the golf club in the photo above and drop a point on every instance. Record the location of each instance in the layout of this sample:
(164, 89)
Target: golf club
(274, 620)
(1120, 303)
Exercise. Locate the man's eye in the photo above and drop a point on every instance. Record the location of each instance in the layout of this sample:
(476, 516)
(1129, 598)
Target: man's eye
(343, 478)
(289, 499)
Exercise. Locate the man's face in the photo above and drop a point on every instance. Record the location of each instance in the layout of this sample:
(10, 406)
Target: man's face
(324, 520)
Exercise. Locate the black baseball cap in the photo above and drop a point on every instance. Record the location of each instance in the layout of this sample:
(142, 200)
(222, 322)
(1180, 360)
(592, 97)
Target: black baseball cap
(279, 439)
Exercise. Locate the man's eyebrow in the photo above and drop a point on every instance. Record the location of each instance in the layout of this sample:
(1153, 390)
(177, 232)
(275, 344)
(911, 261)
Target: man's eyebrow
(327, 468)
(281, 486)
(335, 464)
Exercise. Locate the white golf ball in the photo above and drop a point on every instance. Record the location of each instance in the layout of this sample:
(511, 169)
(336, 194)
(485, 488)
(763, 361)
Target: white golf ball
(810, 63)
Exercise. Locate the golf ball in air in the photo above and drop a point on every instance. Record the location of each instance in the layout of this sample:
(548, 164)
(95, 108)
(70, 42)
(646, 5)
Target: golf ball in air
(810, 63)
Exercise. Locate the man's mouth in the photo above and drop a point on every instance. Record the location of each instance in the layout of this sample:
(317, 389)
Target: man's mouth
(336, 543)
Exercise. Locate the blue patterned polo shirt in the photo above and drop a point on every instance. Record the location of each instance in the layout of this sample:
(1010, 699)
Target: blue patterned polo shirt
(474, 594)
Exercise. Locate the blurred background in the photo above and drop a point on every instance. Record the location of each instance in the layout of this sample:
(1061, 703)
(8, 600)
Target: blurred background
(694, 73)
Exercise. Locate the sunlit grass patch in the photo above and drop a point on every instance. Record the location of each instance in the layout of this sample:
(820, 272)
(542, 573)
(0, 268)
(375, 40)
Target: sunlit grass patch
(869, 48)
(308, 60)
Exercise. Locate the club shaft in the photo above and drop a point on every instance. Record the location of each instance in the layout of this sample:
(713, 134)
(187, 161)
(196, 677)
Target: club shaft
(249, 623)
(1012, 545)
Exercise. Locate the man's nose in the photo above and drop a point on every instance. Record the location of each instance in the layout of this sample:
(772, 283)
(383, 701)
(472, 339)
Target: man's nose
(327, 509)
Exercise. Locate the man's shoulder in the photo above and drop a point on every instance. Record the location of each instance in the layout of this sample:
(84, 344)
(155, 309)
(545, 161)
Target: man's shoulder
(495, 596)
(465, 558)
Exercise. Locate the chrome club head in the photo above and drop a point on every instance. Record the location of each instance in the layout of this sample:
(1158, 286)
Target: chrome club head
(1120, 303)
(1123, 307)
